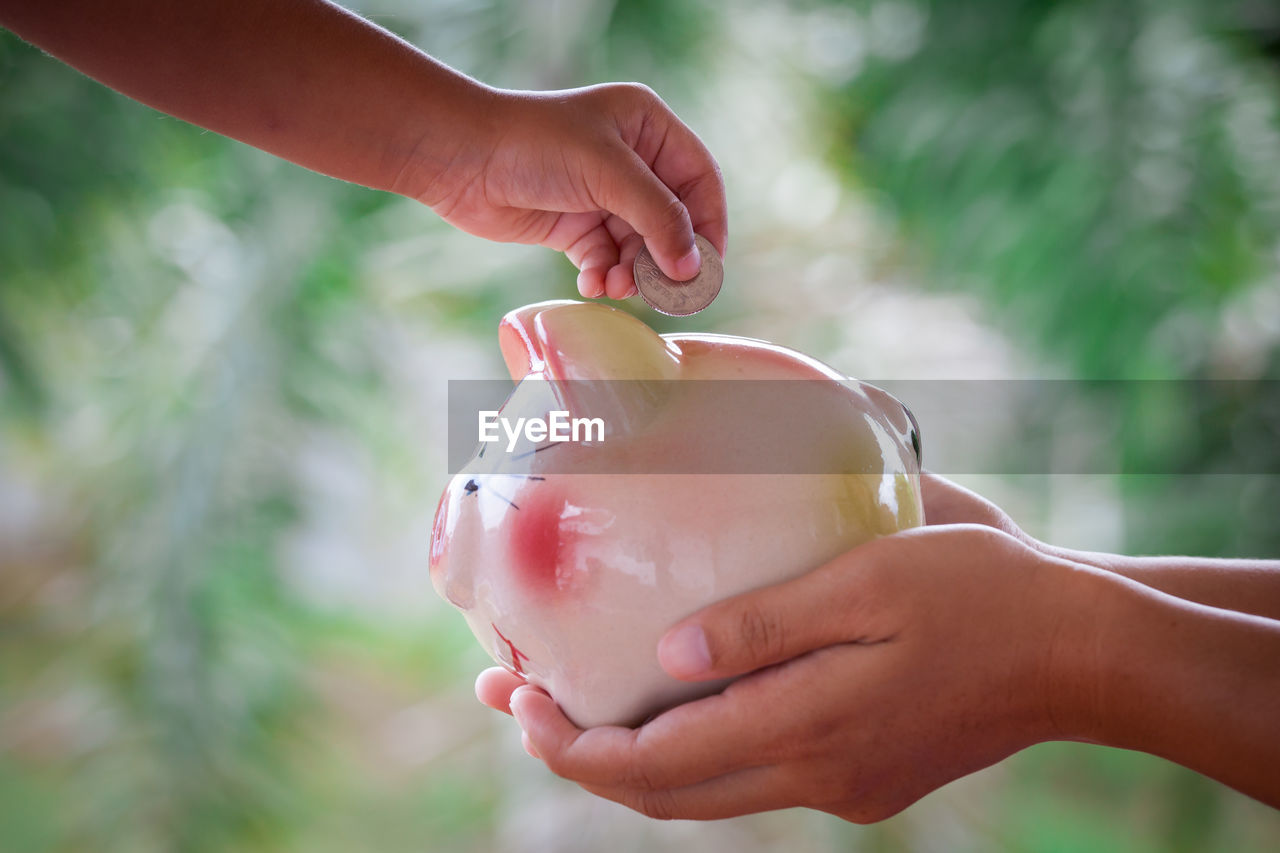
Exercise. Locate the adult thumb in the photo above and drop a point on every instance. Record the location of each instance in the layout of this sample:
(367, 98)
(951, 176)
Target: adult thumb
(770, 625)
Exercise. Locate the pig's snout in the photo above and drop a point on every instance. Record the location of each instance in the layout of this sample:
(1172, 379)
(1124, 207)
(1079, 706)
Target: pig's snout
(452, 585)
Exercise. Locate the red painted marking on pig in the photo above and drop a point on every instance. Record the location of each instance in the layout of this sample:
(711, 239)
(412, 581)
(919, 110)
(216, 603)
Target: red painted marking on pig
(516, 654)
(538, 542)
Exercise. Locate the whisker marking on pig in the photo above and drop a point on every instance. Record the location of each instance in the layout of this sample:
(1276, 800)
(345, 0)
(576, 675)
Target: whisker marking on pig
(513, 504)
(536, 450)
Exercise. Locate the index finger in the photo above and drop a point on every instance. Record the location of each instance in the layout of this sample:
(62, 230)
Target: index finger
(746, 726)
(494, 687)
(672, 750)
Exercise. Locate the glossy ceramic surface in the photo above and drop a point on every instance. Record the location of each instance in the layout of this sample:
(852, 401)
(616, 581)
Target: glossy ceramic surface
(569, 576)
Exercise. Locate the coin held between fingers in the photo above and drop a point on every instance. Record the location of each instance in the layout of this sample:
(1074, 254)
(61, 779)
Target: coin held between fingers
(679, 298)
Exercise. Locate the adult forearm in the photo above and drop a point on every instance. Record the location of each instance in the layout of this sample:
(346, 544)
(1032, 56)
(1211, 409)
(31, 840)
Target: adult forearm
(1195, 684)
(1249, 586)
(303, 79)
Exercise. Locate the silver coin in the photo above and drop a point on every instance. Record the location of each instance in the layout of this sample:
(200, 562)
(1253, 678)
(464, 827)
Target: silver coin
(680, 298)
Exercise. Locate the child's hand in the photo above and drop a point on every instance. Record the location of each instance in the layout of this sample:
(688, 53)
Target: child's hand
(595, 173)
(591, 172)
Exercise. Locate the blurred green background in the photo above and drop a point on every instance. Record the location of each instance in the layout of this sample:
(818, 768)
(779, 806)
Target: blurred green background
(223, 384)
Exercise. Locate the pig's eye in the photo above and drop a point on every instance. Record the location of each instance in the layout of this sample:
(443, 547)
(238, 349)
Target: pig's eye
(915, 435)
(471, 487)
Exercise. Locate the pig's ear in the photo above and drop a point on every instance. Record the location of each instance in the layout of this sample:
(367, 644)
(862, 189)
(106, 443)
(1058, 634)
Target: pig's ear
(566, 340)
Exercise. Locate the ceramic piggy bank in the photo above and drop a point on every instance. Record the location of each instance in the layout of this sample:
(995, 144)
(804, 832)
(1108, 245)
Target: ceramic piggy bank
(686, 485)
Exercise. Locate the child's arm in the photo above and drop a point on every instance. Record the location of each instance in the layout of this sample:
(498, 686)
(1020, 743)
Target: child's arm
(322, 87)
(307, 81)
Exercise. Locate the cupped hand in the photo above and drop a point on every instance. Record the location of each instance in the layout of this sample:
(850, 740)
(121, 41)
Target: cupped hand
(901, 665)
(595, 173)
(946, 502)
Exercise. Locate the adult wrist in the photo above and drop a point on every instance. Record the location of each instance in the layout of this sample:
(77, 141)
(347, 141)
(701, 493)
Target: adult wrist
(1090, 611)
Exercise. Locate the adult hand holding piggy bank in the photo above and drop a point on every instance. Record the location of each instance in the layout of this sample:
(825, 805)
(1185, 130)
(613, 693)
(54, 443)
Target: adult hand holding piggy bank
(647, 476)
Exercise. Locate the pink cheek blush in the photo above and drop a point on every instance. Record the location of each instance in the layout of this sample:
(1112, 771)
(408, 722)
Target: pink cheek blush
(539, 543)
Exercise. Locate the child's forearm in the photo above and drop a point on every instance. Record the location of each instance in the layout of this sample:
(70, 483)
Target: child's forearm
(1249, 586)
(303, 79)
(1195, 684)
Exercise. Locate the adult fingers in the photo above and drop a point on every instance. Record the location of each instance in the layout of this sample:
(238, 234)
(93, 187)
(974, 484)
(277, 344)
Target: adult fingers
(946, 502)
(862, 596)
(742, 792)
(494, 687)
(837, 603)
(686, 745)
(775, 717)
